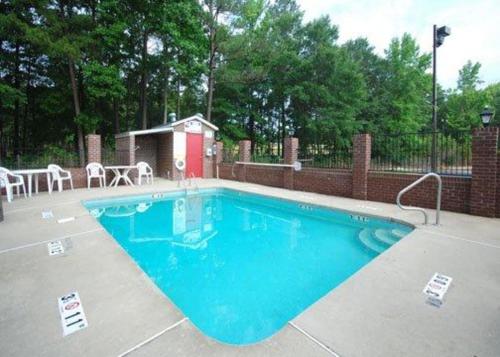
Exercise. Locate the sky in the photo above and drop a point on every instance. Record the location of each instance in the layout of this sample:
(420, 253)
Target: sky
(475, 29)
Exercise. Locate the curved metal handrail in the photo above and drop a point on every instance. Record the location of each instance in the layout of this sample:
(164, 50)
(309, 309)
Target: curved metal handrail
(438, 199)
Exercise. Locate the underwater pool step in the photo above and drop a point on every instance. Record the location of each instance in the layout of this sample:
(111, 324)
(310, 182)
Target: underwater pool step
(367, 237)
(387, 236)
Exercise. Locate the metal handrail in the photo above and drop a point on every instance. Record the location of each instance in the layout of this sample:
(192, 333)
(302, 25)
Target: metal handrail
(296, 166)
(409, 187)
(192, 179)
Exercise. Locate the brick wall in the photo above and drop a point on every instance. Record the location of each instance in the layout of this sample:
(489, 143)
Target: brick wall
(361, 165)
(328, 182)
(484, 172)
(498, 185)
(165, 159)
(457, 195)
(291, 147)
(147, 150)
(125, 153)
(208, 161)
(384, 187)
(93, 148)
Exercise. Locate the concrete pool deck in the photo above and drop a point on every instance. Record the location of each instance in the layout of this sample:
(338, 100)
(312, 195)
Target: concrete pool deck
(380, 311)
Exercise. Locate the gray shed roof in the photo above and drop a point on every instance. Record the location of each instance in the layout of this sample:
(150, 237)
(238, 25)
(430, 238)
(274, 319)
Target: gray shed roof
(166, 128)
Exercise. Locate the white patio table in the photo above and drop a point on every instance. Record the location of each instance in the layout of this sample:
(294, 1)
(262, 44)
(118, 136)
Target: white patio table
(29, 173)
(121, 172)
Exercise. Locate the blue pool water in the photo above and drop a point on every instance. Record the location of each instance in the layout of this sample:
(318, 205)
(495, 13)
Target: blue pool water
(239, 265)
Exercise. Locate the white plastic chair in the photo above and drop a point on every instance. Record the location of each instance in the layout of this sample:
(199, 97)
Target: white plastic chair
(59, 175)
(95, 170)
(5, 181)
(146, 171)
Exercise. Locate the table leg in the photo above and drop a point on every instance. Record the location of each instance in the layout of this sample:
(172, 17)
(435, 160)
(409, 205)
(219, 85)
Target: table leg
(127, 179)
(117, 177)
(49, 186)
(36, 184)
(29, 177)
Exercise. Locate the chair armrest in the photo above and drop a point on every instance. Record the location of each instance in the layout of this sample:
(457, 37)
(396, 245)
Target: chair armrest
(66, 172)
(19, 178)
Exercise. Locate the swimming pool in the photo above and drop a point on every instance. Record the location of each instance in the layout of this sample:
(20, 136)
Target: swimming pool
(241, 265)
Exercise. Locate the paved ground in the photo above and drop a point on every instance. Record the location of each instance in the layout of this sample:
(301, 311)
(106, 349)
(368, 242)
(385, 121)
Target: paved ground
(380, 311)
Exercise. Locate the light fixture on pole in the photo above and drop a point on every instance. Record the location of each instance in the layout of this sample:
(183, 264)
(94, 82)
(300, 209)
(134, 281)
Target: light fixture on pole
(486, 116)
(438, 35)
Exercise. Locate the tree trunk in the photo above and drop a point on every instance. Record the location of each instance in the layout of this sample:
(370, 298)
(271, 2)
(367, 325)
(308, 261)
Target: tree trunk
(144, 82)
(116, 114)
(76, 102)
(16, 103)
(178, 99)
(214, 14)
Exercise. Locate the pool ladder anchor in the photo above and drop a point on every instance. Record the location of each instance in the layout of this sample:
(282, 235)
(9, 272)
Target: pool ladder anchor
(188, 182)
(411, 186)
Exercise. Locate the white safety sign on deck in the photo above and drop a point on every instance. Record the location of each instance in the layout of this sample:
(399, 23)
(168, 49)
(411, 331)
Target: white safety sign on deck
(47, 214)
(66, 220)
(55, 247)
(436, 288)
(72, 316)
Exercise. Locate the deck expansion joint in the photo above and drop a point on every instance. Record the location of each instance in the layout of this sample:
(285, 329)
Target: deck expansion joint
(50, 240)
(459, 238)
(315, 340)
(155, 336)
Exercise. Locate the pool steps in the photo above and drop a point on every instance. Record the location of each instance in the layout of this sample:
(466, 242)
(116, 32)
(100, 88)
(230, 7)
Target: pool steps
(378, 240)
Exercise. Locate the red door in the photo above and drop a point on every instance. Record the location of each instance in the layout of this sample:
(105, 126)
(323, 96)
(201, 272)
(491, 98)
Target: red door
(194, 155)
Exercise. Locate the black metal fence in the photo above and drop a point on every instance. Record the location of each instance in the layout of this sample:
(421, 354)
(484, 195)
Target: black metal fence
(230, 154)
(34, 158)
(413, 152)
(325, 157)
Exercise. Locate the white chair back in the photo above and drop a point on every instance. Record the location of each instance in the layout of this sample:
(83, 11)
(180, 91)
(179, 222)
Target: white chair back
(144, 168)
(4, 179)
(94, 169)
(55, 170)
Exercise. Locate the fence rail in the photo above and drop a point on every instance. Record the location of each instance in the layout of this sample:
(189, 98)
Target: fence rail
(42, 157)
(326, 158)
(413, 153)
(230, 154)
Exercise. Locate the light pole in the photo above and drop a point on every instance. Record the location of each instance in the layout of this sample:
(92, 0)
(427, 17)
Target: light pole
(438, 35)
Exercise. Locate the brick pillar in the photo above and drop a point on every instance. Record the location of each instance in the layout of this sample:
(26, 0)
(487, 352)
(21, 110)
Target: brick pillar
(498, 184)
(484, 172)
(245, 156)
(362, 148)
(219, 151)
(125, 150)
(93, 148)
(290, 147)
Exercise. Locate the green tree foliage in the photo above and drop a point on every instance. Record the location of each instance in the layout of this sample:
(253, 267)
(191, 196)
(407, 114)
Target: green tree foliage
(463, 104)
(255, 67)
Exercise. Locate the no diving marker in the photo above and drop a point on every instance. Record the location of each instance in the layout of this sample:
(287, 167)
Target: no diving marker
(55, 247)
(436, 289)
(46, 214)
(72, 315)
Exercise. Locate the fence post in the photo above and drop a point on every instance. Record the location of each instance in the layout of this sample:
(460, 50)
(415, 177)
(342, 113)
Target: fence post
(93, 148)
(291, 146)
(219, 152)
(244, 156)
(484, 172)
(362, 147)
